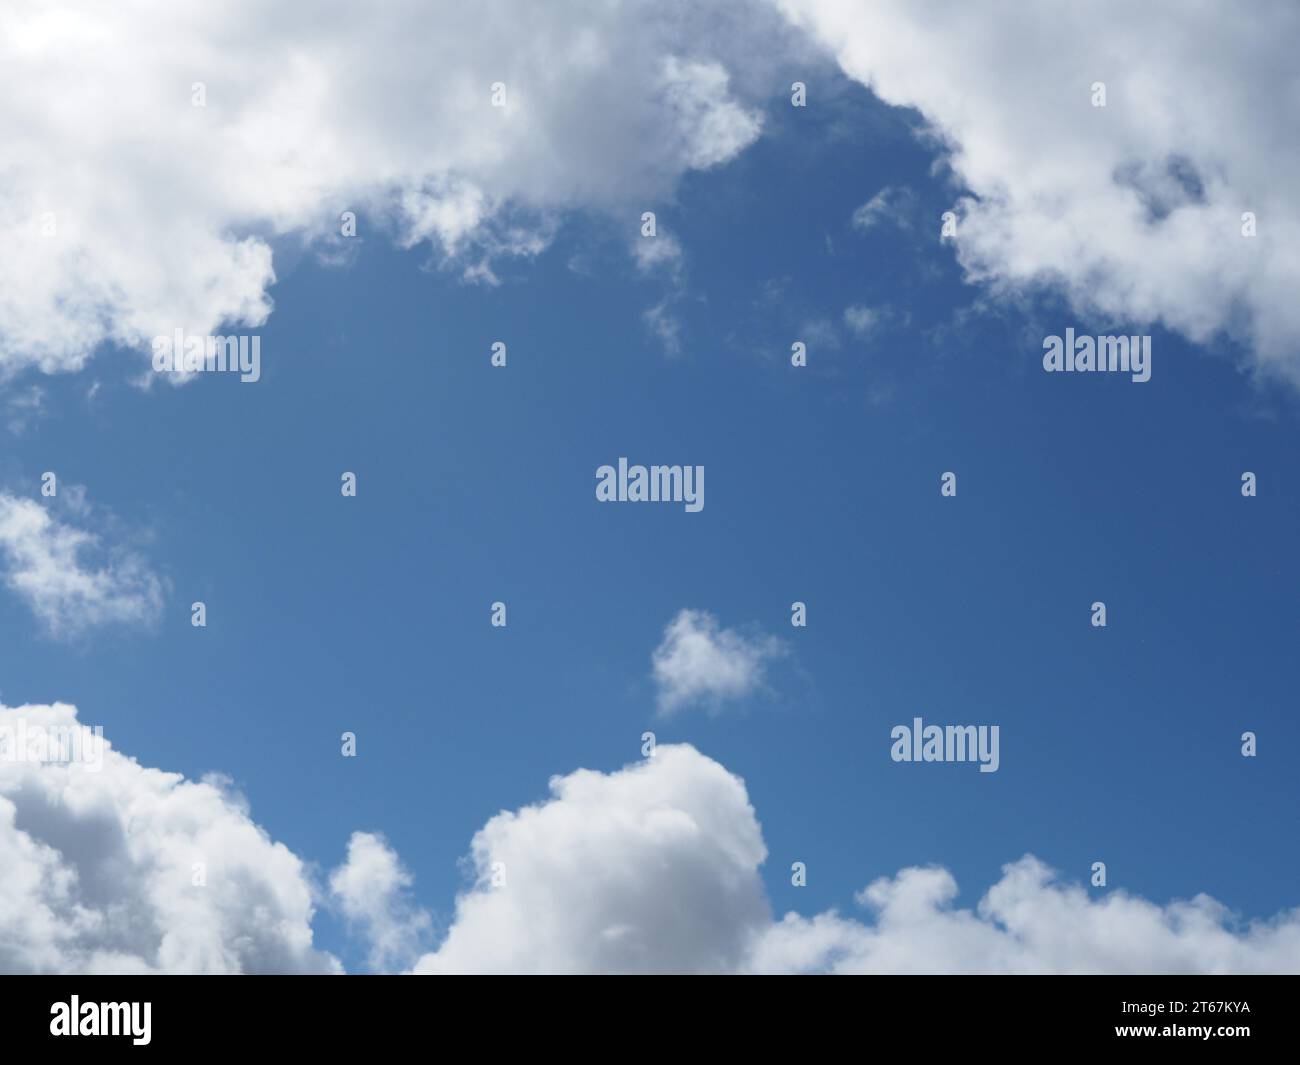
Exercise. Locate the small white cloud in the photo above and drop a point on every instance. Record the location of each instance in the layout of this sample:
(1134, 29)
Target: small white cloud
(699, 662)
(659, 252)
(24, 408)
(664, 326)
(820, 335)
(373, 890)
(862, 320)
(888, 205)
(66, 575)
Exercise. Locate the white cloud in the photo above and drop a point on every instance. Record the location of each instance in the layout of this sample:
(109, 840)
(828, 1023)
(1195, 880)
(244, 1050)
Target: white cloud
(1133, 210)
(24, 409)
(710, 128)
(888, 205)
(167, 219)
(1027, 922)
(373, 890)
(66, 575)
(699, 662)
(862, 320)
(650, 868)
(654, 868)
(664, 326)
(660, 252)
(662, 256)
(820, 335)
(97, 871)
(647, 869)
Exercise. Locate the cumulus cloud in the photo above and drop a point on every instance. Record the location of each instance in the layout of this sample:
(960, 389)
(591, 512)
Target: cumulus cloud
(648, 869)
(651, 868)
(1133, 210)
(168, 218)
(655, 868)
(1026, 923)
(67, 576)
(98, 868)
(372, 888)
(700, 662)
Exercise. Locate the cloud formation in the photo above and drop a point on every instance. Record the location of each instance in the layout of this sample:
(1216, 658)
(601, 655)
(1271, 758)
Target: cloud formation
(170, 214)
(98, 870)
(651, 868)
(372, 888)
(1026, 923)
(655, 868)
(698, 662)
(67, 576)
(889, 205)
(1132, 211)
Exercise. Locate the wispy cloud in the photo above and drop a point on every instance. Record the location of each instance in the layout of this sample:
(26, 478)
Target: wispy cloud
(889, 205)
(24, 408)
(860, 319)
(665, 326)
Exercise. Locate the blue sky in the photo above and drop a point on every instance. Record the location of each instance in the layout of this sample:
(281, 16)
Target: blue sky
(475, 484)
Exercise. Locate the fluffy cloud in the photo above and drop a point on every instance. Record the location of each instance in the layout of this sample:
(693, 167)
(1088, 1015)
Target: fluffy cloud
(372, 889)
(650, 868)
(52, 565)
(1132, 210)
(167, 218)
(170, 214)
(97, 868)
(699, 662)
(1026, 923)
(655, 868)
